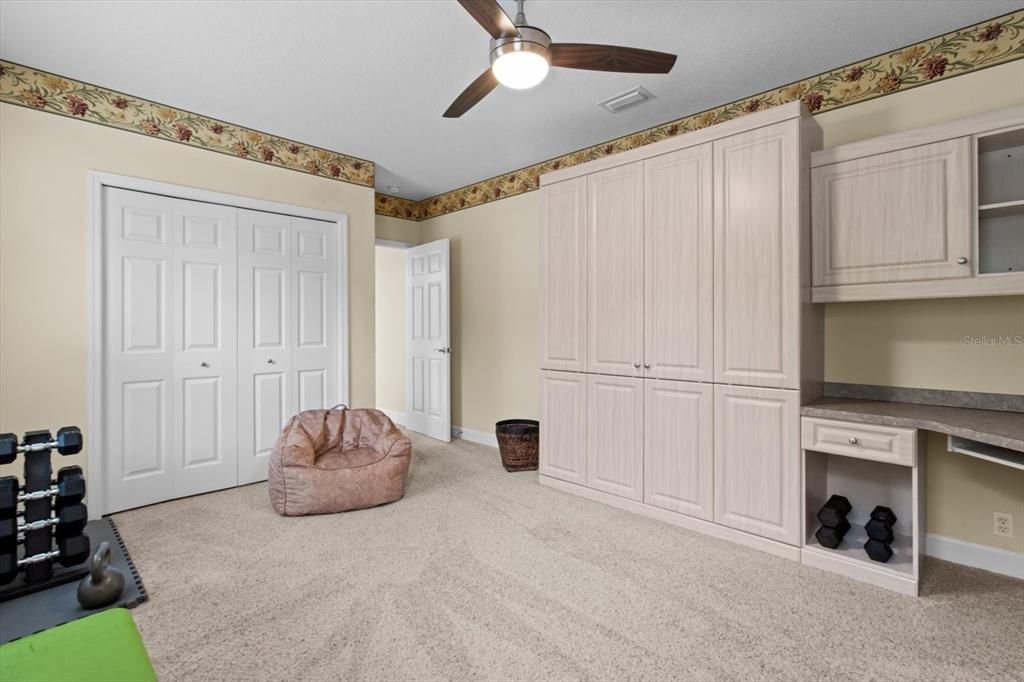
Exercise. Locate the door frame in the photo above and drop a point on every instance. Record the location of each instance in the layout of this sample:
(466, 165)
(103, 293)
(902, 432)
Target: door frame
(96, 181)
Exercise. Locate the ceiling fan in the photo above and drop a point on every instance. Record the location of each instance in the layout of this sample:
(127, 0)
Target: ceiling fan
(521, 55)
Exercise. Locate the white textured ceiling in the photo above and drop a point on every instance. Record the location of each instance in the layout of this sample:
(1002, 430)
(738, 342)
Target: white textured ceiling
(371, 78)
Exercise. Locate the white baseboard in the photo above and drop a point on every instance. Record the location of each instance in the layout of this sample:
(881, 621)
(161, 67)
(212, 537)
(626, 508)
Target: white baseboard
(397, 417)
(475, 436)
(978, 556)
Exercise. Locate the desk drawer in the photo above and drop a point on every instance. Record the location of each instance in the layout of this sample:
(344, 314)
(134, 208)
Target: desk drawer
(854, 439)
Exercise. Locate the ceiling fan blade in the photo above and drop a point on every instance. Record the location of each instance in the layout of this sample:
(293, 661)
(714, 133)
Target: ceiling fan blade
(610, 58)
(476, 91)
(491, 16)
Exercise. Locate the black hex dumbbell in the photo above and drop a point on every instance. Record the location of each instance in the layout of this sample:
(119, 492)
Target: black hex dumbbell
(833, 521)
(9, 489)
(880, 534)
(834, 512)
(70, 486)
(8, 448)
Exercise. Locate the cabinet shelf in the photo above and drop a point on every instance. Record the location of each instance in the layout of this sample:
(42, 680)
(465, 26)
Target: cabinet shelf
(851, 550)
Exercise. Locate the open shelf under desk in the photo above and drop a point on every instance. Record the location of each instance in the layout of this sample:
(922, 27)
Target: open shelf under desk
(851, 550)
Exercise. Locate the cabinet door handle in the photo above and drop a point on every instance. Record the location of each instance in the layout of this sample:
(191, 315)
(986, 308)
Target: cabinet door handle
(962, 260)
(853, 440)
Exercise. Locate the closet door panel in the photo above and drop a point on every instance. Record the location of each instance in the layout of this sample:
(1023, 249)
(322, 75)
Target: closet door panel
(563, 300)
(315, 285)
(757, 461)
(615, 435)
(563, 433)
(267, 395)
(206, 327)
(138, 350)
(678, 302)
(757, 259)
(615, 285)
(679, 446)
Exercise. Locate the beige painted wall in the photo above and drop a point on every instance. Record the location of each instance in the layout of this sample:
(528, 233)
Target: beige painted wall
(389, 275)
(44, 274)
(495, 274)
(900, 343)
(397, 229)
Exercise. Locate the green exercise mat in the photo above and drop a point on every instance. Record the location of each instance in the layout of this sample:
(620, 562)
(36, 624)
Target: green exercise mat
(105, 647)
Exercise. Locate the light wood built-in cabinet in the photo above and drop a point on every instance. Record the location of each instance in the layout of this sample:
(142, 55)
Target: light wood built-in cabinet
(678, 446)
(615, 428)
(615, 278)
(757, 461)
(696, 346)
(933, 212)
(563, 400)
(563, 275)
(757, 256)
(677, 238)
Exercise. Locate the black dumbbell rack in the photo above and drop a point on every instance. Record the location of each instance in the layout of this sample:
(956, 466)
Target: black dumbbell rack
(38, 497)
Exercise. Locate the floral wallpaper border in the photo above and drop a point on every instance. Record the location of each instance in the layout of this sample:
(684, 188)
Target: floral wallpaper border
(972, 48)
(28, 87)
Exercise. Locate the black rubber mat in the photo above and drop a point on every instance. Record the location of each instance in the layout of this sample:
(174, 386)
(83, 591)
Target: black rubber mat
(59, 604)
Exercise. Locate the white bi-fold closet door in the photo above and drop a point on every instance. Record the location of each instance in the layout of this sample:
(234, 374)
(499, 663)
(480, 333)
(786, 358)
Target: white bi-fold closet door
(287, 328)
(218, 324)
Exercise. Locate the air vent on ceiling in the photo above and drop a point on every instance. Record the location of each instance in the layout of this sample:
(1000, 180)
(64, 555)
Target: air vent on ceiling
(625, 100)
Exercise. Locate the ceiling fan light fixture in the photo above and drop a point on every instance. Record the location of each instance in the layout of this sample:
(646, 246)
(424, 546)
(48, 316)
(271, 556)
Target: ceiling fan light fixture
(522, 61)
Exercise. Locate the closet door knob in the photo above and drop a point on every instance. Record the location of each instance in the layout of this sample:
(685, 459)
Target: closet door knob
(646, 366)
(204, 364)
(853, 440)
(637, 365)
(961, 260)
(270, 361)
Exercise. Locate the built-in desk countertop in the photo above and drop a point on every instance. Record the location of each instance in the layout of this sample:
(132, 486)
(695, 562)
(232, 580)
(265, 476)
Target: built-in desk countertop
(1002, 429)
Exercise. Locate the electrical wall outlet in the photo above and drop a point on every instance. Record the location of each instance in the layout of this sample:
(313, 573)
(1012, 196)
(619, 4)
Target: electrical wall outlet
(1002, 525)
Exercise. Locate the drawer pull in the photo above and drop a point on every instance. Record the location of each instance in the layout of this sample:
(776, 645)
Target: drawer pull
(853, 440)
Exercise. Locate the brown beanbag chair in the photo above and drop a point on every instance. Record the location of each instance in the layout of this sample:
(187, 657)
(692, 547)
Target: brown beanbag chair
(335, 460)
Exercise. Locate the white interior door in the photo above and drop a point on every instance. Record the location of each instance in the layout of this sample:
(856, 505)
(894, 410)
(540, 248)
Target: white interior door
(168, 347)
(428, 336)
(314, 272)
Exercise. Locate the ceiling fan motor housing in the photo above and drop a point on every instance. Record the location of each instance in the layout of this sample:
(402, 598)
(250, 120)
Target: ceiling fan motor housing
(530, 39)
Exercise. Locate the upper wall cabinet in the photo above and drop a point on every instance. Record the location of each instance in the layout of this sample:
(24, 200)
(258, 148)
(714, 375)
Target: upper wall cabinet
(678, 303)
(563, 299)
(615, 261)
(934, 212)
(891, 217)
(757, 257)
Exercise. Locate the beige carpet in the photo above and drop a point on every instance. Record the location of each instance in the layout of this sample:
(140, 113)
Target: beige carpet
(480, 574)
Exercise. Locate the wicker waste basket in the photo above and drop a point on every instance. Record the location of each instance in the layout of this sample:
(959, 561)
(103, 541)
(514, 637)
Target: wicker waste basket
(518, 442)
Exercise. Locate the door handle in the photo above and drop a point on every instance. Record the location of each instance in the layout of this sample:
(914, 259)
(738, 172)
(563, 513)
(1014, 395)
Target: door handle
(443, 350)
(647, 365)
(636, 365)
(204, 364)
(271, 361)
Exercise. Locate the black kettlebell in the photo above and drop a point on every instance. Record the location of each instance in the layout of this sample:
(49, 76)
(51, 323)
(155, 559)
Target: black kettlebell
(104, 583)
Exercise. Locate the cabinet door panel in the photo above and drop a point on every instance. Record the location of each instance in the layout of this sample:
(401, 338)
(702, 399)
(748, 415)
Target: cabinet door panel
(563, 248)
(757, 461)
(678, 446)
(893, 217)
(563, 426)
(757, 257)
(615, 435)
(615, 286)
(678, 256)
